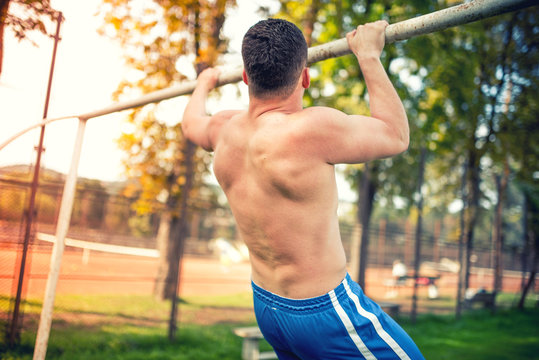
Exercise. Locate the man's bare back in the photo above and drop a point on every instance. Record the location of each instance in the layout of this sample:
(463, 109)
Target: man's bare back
(284, 202)
(275, 162)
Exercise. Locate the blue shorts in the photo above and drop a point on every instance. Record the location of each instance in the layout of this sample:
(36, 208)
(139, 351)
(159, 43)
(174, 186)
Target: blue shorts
(342, 324)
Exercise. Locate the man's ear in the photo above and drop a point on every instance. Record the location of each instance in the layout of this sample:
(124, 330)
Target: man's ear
(305, 78)
(244, 76)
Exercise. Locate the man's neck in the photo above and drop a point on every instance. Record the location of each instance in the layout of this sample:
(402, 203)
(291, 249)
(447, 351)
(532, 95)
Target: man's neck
(288, 105)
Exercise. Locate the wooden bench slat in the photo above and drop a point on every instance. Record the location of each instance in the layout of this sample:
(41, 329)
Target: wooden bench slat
(250, 347)
(267, 355)
(249, 332)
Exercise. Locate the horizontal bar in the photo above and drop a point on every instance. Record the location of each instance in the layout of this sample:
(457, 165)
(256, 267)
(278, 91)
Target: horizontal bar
(421, 25)
(36, 125)
(109, 248)
(425, 24)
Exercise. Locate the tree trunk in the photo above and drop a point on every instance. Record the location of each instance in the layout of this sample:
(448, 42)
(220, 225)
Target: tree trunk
(168, 248)
(417, 260)
(183, 233)
(527, 243)
(173, 229)
(472, 211)
(310, 20)
(532, 239)
(4, 6)
(366, 197)
(460, 283)
(501, 185)
(529, 283)
(188, 154)
(533, 272)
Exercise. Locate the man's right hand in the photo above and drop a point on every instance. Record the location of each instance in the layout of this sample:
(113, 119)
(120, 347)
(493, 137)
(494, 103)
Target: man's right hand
(368, 40)
(208, 78)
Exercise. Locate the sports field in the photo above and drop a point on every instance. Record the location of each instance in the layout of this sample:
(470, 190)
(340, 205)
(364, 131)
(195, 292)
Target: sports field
(104, 305)
(96, 272)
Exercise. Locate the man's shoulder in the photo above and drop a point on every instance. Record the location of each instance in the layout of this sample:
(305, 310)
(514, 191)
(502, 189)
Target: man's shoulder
(320, 112)
(222, 119)
(225, 115)
(316, 116)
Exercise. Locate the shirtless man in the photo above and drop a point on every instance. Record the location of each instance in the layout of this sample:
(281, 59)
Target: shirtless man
(275, 163)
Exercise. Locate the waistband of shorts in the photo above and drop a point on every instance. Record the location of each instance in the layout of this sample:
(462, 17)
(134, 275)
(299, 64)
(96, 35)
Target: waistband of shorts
(300, 305)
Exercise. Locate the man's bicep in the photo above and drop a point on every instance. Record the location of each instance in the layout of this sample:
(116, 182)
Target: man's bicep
(370, 139)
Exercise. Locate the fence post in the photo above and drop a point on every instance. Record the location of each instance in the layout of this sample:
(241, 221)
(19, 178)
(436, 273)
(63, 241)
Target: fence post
(436, 245)
(66, 208)
(30, 214)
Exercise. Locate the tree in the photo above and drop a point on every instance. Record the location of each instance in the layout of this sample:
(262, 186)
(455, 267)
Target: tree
(159, 36)
(485, 124)
(519, 134)
(32, 19)
(505, 46)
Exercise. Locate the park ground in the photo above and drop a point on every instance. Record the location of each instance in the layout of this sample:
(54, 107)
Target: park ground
(104, 305)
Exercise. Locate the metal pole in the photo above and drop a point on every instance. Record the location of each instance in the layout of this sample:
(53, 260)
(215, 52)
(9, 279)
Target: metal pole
(31, 127)
(421, 25)
(14, 328)
(64, 218)
(426, 24)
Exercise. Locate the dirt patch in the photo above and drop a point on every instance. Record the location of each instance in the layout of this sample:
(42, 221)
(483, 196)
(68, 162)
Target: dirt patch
(217, 315)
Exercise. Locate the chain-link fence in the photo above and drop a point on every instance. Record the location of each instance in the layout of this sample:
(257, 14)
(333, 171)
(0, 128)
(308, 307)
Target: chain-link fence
(109, 249)
(112, 251)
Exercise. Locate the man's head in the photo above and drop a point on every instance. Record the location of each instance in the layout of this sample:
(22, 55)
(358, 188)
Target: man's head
(274, 55)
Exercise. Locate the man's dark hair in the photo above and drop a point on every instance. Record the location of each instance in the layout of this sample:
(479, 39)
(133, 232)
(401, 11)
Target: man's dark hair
(274, 54)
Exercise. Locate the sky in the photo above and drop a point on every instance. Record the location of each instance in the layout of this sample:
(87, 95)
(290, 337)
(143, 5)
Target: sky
(88, 69)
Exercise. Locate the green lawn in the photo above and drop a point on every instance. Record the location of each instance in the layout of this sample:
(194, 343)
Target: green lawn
(508, 334)
(135, 327)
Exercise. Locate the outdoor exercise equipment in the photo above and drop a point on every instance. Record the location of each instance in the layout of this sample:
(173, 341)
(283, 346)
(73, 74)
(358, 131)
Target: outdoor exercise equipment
(425, 24)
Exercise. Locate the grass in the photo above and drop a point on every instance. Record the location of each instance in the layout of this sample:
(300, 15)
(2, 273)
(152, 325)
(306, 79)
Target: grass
(135, 327)
(131, 342)
(507, 334)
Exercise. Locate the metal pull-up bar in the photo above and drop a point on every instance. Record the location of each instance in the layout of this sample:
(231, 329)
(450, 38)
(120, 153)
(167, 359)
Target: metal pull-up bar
(436, 21)
(421, 25)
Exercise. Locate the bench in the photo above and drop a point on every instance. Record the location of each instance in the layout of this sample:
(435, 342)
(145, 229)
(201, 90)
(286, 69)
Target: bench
(250, 349)
(488, 299)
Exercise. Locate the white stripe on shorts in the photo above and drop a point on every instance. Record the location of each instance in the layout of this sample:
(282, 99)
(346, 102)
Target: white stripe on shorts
(376, 323)
(367, 354)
